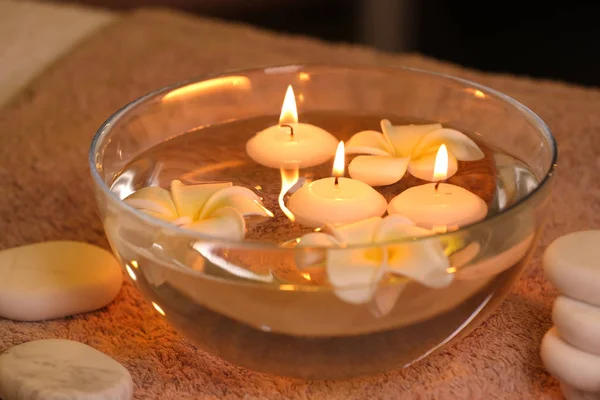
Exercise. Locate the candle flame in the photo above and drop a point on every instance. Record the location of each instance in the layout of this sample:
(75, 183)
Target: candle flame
(289, 111)
(339, 161)
(289, 177)
(440, 170)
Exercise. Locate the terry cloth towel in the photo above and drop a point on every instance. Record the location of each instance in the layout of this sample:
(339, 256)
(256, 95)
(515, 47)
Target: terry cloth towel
(46, 194)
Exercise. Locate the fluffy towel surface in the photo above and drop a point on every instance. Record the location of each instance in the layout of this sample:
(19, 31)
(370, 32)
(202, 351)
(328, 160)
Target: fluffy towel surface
(46, 194)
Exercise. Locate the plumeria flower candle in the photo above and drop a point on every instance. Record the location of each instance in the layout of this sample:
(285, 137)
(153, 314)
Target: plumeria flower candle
(355, 271)
(216, 209)
(385, 158)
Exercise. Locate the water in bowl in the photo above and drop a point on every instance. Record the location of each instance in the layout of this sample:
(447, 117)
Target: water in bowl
(290, 322)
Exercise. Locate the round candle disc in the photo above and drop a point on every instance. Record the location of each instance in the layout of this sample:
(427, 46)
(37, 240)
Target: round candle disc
(448, 206)
(276, 147)
(323, 202)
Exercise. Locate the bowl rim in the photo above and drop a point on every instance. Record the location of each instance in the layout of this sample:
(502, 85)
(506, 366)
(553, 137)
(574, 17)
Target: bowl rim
(106, 127)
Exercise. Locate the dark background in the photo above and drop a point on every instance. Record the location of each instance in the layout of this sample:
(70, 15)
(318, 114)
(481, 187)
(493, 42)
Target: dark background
(555, 41)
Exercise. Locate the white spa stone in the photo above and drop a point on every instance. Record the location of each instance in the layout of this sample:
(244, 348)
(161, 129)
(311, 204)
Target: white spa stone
(61, 369)
(571, 393)
(571, 264)
(56, 279)
(577, 323)
(574, 367)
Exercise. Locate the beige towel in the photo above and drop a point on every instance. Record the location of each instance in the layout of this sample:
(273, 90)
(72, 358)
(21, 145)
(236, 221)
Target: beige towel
(45, 193)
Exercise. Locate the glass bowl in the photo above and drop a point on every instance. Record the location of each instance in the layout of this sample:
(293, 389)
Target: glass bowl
(268, 305)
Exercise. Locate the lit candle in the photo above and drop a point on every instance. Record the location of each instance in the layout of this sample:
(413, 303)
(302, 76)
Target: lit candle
(336, 200)
(291, 144)
(439, 206)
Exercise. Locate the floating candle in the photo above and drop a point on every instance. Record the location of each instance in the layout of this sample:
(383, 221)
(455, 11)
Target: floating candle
(439, 206)
(291, 144)
(336, 200)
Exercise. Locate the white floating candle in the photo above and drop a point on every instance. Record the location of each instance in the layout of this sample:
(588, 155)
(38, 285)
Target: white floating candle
(441, 207)
(291, 144)
(336, 200)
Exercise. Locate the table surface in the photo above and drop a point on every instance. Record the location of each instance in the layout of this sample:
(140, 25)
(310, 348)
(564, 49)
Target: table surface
(46, 194)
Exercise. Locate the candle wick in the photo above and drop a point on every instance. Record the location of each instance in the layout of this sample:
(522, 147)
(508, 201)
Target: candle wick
(437, 185)
(336, 181)
(291, 129)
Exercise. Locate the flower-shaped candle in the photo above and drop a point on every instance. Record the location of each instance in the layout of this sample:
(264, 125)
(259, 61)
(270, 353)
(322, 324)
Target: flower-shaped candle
(354, 271)
(439, 206)
(216, 209)
(291, 144)
(336, 200)
(386, 157)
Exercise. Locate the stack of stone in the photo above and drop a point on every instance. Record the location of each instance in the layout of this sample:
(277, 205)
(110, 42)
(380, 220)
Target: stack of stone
(571, 348)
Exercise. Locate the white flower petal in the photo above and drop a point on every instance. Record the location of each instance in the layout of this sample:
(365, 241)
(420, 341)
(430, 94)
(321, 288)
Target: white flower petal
(313, 249)
(153, 199)
(388, 228)
(318, 239)
(354, 274)
(404, 138)
(459, 144)
(360, 232)
(368, 142)
(163, 217)
(378, 170)
(423, 260)
(189, 199)
(246, 206)
(242, 199)
(423, 166)
(386, 297)
(225, 223)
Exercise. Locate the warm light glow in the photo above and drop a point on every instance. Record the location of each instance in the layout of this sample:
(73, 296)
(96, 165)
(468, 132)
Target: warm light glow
(130, 272)
(157, 308)
(305, 275)
(289, 177)
(134, 264)
(196, 174)
(226, 82)
(303, 76)
(289, 111)
(479, 94)
(339, 161)
(440, 170)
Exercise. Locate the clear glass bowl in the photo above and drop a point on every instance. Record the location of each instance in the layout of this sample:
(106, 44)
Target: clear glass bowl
(259, 304)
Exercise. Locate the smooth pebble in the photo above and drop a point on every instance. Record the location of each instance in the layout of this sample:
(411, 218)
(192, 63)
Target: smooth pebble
(571, 265)
(577, 323)
(576, 368)
(575, 394)
(56, 279)
(61, 369)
